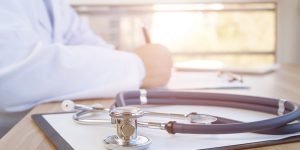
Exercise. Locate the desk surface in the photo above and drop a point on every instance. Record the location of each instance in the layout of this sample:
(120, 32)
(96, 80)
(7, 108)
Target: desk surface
(285, 83)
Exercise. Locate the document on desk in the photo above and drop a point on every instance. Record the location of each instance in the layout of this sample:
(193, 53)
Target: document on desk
(210, 65)
(83, 137)
(204, 81)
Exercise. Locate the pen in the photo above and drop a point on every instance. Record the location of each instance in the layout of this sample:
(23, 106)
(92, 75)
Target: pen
(146, 35)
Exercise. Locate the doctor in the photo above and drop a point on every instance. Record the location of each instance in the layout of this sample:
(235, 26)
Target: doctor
(48, 54)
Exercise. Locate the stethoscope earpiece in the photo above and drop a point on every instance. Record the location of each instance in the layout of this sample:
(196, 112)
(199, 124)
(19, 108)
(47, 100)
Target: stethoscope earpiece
(68, 105)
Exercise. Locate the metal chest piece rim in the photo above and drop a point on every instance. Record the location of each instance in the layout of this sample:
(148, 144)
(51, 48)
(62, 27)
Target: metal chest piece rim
(126, 138)
(142, 143)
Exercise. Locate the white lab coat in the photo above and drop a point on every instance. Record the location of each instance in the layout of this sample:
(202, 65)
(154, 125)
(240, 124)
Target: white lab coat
(48, 54)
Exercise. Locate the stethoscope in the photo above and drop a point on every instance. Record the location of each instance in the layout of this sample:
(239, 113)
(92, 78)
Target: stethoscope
(125, 117)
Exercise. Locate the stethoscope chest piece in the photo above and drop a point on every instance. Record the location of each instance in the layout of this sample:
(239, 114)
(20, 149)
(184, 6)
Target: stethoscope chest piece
(125, 119)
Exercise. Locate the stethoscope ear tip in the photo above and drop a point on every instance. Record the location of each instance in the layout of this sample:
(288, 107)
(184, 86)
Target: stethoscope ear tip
(68, 105)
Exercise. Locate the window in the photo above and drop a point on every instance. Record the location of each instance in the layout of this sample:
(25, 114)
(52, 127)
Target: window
(236, 33)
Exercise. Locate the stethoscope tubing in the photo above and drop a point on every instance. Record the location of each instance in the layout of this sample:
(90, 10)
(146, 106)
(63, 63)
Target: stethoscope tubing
(277, 125)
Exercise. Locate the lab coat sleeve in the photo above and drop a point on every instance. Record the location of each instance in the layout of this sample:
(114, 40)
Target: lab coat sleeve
(34, 72)
(57, 72)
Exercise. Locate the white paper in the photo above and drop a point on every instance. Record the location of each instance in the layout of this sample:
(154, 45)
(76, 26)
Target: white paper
(83, 137)
(201, 80)
(211, 65)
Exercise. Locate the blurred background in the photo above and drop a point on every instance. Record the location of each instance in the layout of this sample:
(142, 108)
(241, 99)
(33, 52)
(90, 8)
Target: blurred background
(230, 32)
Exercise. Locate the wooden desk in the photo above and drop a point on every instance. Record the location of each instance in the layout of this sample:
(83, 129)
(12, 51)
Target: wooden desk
(285, 83)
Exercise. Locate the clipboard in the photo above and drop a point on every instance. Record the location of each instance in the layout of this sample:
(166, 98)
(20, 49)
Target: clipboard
(61, 143)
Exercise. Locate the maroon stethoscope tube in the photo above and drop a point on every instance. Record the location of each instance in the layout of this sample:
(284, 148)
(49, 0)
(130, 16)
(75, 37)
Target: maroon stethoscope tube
(278, 125)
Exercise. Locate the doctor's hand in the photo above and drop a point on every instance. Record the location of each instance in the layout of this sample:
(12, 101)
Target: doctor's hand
(158, 64)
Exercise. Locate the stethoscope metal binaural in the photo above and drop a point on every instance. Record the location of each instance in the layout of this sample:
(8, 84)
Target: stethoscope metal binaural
(125, 117)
